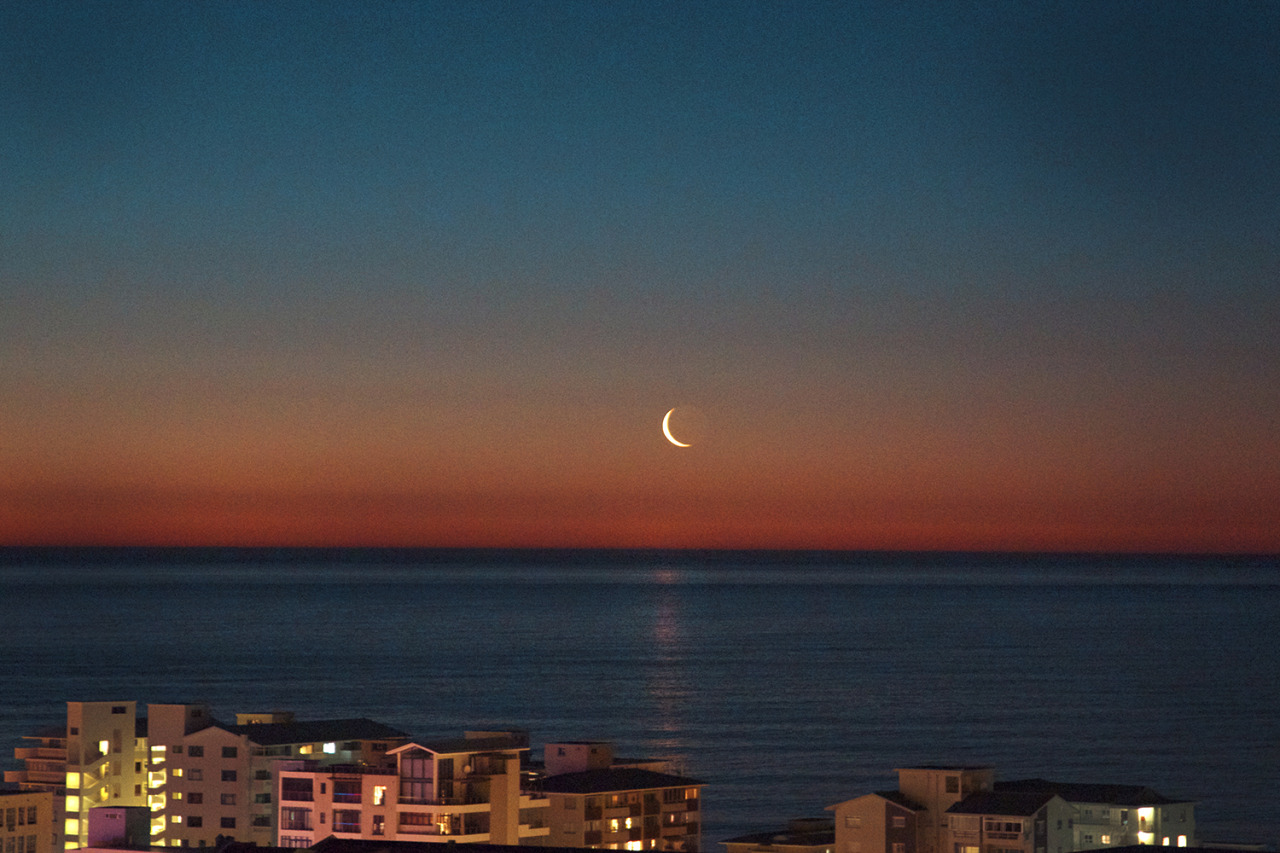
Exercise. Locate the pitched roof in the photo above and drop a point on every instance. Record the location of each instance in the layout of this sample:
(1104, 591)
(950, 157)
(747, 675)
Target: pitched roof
(1002, 803)
(612, 779)
(898, 799)
(1073, 792)
(315, 731)
(455, 745)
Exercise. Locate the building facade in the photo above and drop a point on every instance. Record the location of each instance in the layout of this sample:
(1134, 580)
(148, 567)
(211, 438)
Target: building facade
(624, 808)
(27, 821)
(1105, 815)
(994, 822)
(44, 760)
(463, 790)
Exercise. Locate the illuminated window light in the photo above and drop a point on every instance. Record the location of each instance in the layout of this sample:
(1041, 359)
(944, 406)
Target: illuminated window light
(175, 818)
(1106, 839)
(104, 746)
(1164, 842)
(1182, 841)
(330, 748)
(73, 803)
(305, 749)
(177, 771)
(72, 826)
(73, 779)
(379, 794)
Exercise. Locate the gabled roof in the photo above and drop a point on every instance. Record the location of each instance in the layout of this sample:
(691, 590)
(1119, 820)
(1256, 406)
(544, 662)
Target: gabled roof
(459, 745)
(315, 731)
(898, 799)
(895, 797)
(1017, 804)
(612, 779)
(1073, 792)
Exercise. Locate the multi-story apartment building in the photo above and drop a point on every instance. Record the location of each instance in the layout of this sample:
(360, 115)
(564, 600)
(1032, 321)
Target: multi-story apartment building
(209, 781)
(26, 821)
(44, 760)
(996, 822)
(881, 822)
(911, 819)
(1117, 815)
(624, 808)
(941, 809)
(464, 790)
(106, 763)
(801, 835)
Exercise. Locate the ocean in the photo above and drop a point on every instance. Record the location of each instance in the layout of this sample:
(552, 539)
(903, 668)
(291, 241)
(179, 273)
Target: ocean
(785, 681)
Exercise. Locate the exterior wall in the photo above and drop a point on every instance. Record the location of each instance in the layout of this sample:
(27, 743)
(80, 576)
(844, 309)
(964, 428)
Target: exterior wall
(45, 769)
(653, 819)
(1046, 831)
(575, 756)
(105, 766)
(472, 798)
(938, 789)
(873, 824)
(27, 822)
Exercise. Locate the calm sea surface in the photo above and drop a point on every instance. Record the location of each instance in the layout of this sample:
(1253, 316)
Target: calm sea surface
(787, 682)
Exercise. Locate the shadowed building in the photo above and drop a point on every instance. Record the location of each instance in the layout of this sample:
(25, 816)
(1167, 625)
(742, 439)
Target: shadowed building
(44, 759)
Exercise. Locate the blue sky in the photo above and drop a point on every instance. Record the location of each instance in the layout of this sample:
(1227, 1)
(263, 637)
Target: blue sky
(924, 269)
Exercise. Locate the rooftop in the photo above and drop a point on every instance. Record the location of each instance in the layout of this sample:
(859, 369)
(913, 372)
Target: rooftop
(316, 731)
(613, 779)
(1073, 792)
(1019, 803)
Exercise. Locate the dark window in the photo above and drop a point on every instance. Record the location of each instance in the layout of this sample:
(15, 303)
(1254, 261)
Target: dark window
(262, 820)
(195, 820)
(229, 752)
(196, 752)
(119, 709)
(73, 730)
(228, 799)
(294, 789)
(953, 784)
(228, 775)
(228, 823)
(195, 798)
(177, 750)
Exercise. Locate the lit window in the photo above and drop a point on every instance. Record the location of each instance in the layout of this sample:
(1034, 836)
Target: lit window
(1106, 839)
(104, 746)
(330, 748)
(177, 771)
(175, 818)
(305, 749)
(379, 794)
(1182, 841)
(1164, 842)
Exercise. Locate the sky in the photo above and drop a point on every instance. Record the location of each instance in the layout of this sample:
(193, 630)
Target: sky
(958, 276)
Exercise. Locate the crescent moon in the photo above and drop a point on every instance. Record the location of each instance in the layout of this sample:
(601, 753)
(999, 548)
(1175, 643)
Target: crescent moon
(666, 430)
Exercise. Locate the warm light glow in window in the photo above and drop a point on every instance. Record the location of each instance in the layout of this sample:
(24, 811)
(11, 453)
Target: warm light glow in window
(627, 823)
(1146, 838)
(177, 771)
(613, 825)
(73, 826)
(1165, 841)
(73, 779)
(104, 746)
(330, 748)
(73, 803)
(635, 845)
(175, 818)
(305, 749)
(1106, 839)
(379, 794)
(1182, 841)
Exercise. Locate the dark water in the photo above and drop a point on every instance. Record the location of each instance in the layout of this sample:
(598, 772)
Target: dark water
(787, 682)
